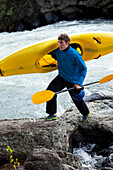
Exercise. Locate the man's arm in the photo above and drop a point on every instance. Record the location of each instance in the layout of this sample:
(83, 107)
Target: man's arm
(53, 54)
(83, 71)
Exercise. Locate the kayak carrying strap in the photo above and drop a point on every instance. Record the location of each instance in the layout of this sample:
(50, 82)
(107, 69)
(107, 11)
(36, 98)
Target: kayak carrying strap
(98, 57)
(1, 72)
(97, 39)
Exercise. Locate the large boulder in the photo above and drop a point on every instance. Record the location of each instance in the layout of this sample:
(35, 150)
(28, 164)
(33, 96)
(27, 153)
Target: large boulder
(42, 158)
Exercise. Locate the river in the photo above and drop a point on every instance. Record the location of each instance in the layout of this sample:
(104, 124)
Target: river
(16, 91)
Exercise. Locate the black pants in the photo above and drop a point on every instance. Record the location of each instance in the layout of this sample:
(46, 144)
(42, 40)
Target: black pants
(57, 84)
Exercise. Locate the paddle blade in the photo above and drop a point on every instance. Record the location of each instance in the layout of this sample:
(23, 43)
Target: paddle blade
(106, 79)
(42, 96)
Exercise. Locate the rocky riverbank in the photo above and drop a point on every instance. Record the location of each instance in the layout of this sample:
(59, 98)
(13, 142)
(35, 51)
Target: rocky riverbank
(49, 145)
(26, 15)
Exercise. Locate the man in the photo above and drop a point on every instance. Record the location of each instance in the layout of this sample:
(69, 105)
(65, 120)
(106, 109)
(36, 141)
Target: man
(72, 72)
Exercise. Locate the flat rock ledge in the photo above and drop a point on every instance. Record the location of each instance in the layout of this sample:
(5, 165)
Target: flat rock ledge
(48, 145)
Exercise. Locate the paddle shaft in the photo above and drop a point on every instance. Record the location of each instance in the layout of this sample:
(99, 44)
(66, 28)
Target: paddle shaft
(72, 88)
(44, 96)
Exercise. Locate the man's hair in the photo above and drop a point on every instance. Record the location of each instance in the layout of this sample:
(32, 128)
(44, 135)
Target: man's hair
(64, 37)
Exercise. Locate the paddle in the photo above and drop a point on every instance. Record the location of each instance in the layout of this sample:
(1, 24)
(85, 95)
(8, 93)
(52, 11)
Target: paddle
(46, 95)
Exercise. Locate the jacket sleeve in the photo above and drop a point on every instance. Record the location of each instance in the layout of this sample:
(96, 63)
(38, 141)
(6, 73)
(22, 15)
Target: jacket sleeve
(82, 70)
(53, 54)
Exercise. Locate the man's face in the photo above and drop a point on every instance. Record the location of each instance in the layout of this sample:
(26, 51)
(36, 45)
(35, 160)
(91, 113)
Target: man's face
(62, 44)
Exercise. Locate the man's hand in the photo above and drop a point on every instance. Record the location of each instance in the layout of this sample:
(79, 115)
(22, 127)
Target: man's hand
(77, 86)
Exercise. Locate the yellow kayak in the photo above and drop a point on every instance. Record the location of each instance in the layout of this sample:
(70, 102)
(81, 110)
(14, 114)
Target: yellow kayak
(36, 58)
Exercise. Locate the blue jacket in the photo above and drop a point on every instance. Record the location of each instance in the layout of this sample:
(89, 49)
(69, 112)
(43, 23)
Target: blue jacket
(71, 65)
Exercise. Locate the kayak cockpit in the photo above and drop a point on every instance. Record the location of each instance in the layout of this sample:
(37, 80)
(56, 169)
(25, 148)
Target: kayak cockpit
(48, 61)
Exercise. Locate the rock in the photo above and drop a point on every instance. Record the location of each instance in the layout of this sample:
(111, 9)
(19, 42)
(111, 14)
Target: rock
(34, 21)
(42, 158)
(97, 130)
(71, 12)
(49, 11)
(25, 134)
(49, 17)
(63, 5)
(69, 159)
(108, 163)
(19, 27)
(60, 136)
(98, 96)
(89, 3)
(74, 2)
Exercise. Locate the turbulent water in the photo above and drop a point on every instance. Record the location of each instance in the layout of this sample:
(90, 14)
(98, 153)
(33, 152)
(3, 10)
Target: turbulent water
(16, 91)
(89, 162)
